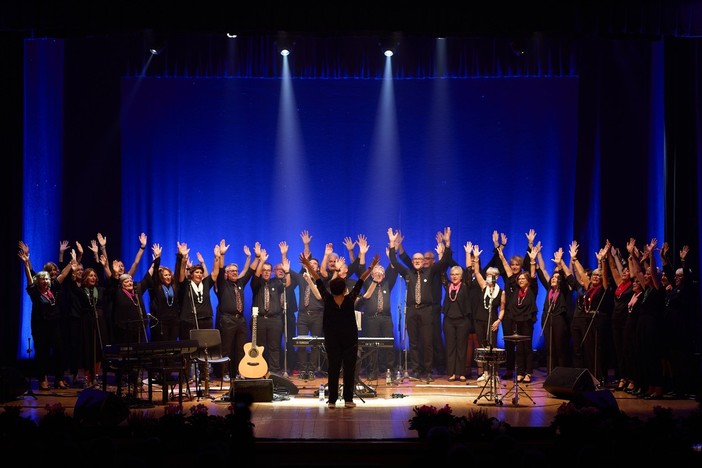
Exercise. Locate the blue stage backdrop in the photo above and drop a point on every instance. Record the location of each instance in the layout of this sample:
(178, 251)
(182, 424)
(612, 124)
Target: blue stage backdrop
(261, 160)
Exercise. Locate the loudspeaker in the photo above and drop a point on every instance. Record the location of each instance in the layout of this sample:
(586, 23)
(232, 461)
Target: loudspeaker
(567, 382)
(283, 385)
(601, 399)
(12, 384)
(252, 390)
(100, 408)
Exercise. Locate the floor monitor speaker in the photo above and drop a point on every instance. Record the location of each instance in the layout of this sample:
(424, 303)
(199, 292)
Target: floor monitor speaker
(254, 390)
(285, 386)
(100, 408)
(568, 382)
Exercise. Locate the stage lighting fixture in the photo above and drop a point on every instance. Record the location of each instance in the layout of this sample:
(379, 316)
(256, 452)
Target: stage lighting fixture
(388, 53)
(231, 35)
(155, 51)
(285, 52)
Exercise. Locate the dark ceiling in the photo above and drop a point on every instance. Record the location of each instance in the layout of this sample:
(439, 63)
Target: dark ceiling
(53, 18)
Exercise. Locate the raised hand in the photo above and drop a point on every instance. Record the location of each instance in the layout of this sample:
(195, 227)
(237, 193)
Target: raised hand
(684, 251)
(495, 238)
(156, 249)
(468, 247)
(476, 251)
(630, 245)
(573, 249)
(223, 247)
(142, 240)
(531, 235)
(23, 247)
(283, 246)
(102, 240)
(349, 243)
(93, 247)
(305, 236)
(558, 256)
(247, 251)
(63, 246)
(363, 245)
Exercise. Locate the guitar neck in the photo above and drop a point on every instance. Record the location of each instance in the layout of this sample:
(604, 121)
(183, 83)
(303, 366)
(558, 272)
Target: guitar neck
(253, 330)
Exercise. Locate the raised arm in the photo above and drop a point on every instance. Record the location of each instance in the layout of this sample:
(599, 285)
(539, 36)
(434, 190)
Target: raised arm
(306, 241)
(349, 244)
(368, 271)
(24, 256)
(139, 254)
(476, 266)
(580, 274)
(306, 262)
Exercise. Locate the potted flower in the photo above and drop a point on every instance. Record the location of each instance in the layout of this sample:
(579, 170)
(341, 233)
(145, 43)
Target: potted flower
(428, 416)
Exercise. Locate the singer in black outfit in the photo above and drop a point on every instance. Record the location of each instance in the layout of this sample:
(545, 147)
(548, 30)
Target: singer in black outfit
(592, 313)
(458, 312)
(309, 320)
(375, 304)
(420, 298)
(554, 323)
(267, 294)
(340, 331)
(195, 301)
(164, 298)
(491, 310)
(230, 310)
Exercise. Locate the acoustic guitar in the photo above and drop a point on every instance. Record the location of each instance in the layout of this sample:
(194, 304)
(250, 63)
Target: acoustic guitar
(253, 366)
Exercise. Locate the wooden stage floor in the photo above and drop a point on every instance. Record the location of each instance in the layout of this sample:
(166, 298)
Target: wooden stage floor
(382, 411)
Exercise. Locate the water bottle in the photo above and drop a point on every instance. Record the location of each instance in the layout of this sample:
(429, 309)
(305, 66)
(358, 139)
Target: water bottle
(388, 377)
(321, 392)
(398, 377)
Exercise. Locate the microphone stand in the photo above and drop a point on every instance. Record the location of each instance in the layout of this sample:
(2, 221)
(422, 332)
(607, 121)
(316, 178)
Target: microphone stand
(141, 315)
(549, 364)
(99, 337)
(29, 391)
(595, 365)
(192, 305)
(285, 329)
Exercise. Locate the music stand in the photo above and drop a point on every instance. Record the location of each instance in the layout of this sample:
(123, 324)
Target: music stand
(515, 388)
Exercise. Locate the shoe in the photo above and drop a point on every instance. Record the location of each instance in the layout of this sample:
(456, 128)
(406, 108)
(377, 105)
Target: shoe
(527, 378)
(349, 404)
(520, 378)
(483, 377)
(44, 385)
(331, 405)
(226, 378)
(621, 386)
(453, 378)
(462, 378)
(62, 385)
(429, 378)
(302, 375)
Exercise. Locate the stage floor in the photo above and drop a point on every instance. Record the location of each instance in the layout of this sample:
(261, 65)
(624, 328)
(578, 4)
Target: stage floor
(383, 410)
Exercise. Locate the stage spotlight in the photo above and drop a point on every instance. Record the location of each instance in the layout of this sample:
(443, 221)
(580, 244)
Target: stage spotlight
(285, 52)
(388, 53)
(231, 35)
(518, 48)
(155, 51)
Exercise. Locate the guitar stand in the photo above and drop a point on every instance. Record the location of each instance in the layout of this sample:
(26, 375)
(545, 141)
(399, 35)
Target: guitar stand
(491, 388)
